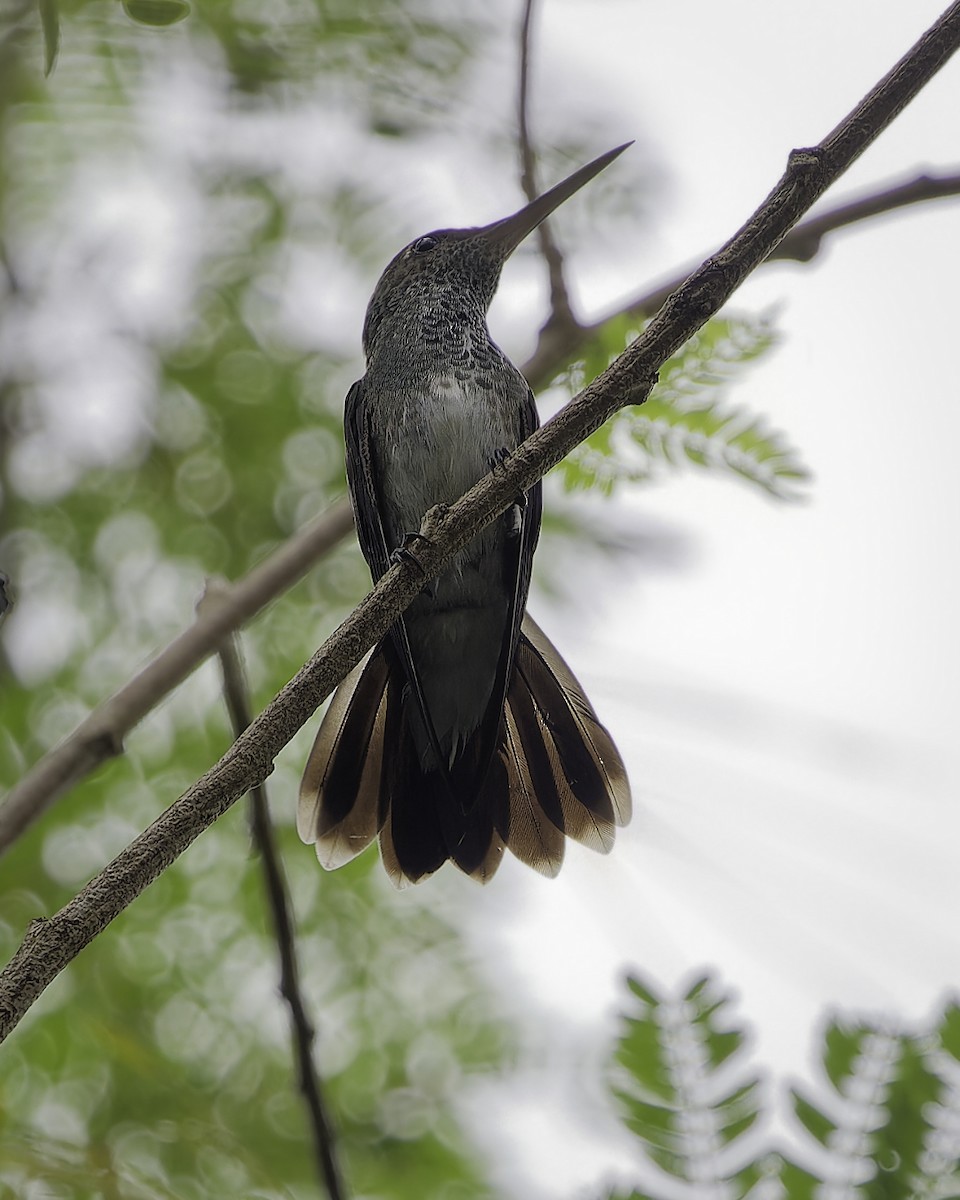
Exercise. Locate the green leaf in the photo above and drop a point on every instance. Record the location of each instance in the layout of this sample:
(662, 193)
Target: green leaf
(686, 418)
(841, 1046)
(911, 1101)
(739, 1111)
(680, 1081)
(643, 991)
(50, 23)
(722, 1044)
(813, 1120)
(948, 1031)
(892, 1111)
(640, 1053)
(156, 13)
(798, 1183)
(653, 1123)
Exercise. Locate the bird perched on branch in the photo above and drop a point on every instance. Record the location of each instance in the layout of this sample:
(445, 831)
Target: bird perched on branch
(463, 732)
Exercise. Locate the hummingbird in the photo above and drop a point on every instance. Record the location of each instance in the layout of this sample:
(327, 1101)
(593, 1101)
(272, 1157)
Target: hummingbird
(463, 732)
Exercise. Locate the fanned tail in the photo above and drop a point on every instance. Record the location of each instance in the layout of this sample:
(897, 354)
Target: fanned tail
(572, 778)
(556, 774)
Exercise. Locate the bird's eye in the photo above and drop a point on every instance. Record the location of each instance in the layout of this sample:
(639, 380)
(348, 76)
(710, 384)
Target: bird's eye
(422, 245)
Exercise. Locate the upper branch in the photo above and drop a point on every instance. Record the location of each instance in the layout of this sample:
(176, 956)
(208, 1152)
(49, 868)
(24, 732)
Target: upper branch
(804, 242)
(801, 244)
(561, 314)
(51, 944)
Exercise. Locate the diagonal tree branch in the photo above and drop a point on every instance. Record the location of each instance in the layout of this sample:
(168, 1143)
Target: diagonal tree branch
(561, 314)
(100, 735)
(49, 945)
(236, 694)
(6, 603)
(557, 347)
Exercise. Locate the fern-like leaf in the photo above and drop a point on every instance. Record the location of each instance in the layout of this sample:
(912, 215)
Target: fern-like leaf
(886, 1122)
(890, 1120)
(685, 418)
(937, 1175)
(682, 1083)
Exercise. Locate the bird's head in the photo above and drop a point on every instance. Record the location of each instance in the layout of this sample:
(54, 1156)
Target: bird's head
(462, 266)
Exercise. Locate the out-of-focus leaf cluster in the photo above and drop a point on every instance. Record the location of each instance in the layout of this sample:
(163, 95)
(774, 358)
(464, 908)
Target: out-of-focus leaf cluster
(170, 409)
(685, 419)
(888, 1115)
(167, 408)
(886, 1121)
(684, 1088)
(160, 1065)
(357, 45)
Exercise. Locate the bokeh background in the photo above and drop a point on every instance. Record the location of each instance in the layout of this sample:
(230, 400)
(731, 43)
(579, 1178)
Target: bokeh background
(192, 218)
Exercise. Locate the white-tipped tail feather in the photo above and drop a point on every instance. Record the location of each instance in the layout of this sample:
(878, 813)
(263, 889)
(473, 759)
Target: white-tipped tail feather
(555, 774)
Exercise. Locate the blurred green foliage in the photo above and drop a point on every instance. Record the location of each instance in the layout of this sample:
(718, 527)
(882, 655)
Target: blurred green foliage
(883, 1125)
(684, 1088)
(164, 417)
(685, 418)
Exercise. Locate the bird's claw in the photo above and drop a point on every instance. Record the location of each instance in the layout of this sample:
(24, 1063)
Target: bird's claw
(514, 514)
(514, 519)
(405, 554)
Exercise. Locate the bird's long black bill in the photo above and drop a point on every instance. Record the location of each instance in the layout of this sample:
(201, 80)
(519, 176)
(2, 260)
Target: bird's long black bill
(507, 234)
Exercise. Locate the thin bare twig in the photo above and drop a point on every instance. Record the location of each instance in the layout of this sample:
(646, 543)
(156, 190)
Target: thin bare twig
(561, 314)
(6, 603)
(557, 347)
(100, 735)
(803, 243)
(49, 945)
(236, 694)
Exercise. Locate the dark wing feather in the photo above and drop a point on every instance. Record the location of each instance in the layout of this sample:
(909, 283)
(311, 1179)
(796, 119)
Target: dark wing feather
(362, 473)
(361, 479)
(518, 552)
(361, 770)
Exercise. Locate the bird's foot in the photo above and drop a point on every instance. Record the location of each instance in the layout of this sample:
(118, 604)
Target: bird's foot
(404, 553)
(514, 514)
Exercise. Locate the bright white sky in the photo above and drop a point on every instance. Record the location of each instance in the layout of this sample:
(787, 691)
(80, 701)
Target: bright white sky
(788, 703)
